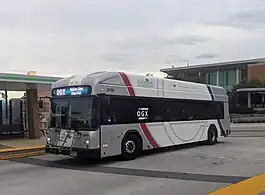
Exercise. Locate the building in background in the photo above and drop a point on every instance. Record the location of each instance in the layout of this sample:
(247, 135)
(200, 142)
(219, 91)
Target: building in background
(225, 74)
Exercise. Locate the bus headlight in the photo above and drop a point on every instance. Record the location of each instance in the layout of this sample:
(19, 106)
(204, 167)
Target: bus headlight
(48, 140)
(86, 139)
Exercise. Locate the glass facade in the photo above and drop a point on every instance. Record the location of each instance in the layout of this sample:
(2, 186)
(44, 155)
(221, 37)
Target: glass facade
(212, 78)
(226, 78)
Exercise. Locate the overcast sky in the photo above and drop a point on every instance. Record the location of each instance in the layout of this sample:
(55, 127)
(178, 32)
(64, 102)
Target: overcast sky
(64, 37)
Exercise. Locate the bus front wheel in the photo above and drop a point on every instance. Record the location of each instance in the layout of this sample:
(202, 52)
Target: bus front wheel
(131, 147)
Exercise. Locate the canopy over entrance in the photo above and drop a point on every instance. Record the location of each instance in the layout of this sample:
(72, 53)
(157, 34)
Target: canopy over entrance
(33, 85)
(19, 82)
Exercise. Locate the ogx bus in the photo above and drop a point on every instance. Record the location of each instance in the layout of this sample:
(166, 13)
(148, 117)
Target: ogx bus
(113, 113)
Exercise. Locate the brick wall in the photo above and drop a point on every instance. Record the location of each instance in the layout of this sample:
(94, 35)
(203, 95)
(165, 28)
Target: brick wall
(256, 71)
(46, 110)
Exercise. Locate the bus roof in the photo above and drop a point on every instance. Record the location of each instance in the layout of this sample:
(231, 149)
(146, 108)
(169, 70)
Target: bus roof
(99, 76)
(111, 77)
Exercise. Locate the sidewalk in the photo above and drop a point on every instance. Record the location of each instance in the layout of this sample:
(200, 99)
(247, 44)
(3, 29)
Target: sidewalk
(19, 148)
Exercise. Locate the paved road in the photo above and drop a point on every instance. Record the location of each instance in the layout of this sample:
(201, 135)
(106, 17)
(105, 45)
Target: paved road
(3, 146)
(248, 130)
(186, 170)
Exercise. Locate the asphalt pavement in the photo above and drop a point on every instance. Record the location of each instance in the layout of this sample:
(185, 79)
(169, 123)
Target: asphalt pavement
(3, 146)
(192, 169)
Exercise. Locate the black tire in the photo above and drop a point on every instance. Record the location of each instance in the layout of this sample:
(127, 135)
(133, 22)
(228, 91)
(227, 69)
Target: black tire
(212, 136)
(131, 147)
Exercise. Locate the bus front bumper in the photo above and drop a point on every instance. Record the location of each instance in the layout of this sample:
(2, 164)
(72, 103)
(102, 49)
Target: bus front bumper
(74, 152)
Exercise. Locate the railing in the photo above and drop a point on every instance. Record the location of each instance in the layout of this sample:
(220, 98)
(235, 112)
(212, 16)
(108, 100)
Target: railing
(49, 142)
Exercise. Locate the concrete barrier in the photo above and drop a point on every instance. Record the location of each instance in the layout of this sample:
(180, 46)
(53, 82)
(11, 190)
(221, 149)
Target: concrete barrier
(248, 129)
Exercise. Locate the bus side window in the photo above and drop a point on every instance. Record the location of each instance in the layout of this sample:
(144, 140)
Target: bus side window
(177, 110)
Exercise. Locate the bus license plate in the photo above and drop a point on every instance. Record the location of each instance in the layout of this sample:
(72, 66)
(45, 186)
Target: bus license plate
(73, 153)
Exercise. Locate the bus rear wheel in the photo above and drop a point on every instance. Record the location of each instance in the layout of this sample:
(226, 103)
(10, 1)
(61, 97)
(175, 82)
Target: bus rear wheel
(212, 136)
(131, 147)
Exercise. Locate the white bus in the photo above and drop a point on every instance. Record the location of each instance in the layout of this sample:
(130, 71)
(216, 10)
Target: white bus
(113, 113)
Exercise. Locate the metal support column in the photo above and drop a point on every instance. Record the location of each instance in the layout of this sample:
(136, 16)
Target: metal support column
(249, 99)
(238, 76)
(6, 106)
(263, 99)
(217, 77)
(33, 114)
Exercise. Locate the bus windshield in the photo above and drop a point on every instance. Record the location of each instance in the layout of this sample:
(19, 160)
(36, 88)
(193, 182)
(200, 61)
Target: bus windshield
(74, 113)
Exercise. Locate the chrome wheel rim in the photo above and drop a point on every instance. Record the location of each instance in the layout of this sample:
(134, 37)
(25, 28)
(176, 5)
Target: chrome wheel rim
(130, 146)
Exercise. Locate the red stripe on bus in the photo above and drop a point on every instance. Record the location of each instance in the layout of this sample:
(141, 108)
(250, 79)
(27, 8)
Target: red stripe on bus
(143, 126)
(127, 83)
(148, 135)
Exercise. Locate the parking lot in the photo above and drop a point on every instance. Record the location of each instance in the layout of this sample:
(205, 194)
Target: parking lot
(192, 169)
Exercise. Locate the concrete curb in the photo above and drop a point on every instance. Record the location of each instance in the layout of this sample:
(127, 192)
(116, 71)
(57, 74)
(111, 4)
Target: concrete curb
(11, 153)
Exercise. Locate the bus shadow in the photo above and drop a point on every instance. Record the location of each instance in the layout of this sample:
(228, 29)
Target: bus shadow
(110, 160)
(67, 163)
(88, 162)
(83, 163)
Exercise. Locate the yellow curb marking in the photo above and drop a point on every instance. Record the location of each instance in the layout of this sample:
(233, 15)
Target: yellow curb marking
(22, 155)
(21, 149)
(252, 186)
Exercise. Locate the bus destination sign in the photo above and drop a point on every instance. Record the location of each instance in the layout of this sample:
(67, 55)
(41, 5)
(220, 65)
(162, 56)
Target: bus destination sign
(72, 91)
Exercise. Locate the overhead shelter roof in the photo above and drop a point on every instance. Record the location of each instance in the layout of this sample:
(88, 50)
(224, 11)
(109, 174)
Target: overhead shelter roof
(20, 82)
(261, 89)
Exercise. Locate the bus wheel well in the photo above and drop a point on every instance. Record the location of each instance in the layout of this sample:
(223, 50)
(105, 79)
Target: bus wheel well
(212, 126)
(136, 133)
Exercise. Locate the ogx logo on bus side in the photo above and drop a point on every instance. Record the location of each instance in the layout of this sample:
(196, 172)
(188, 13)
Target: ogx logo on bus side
(142, 113)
